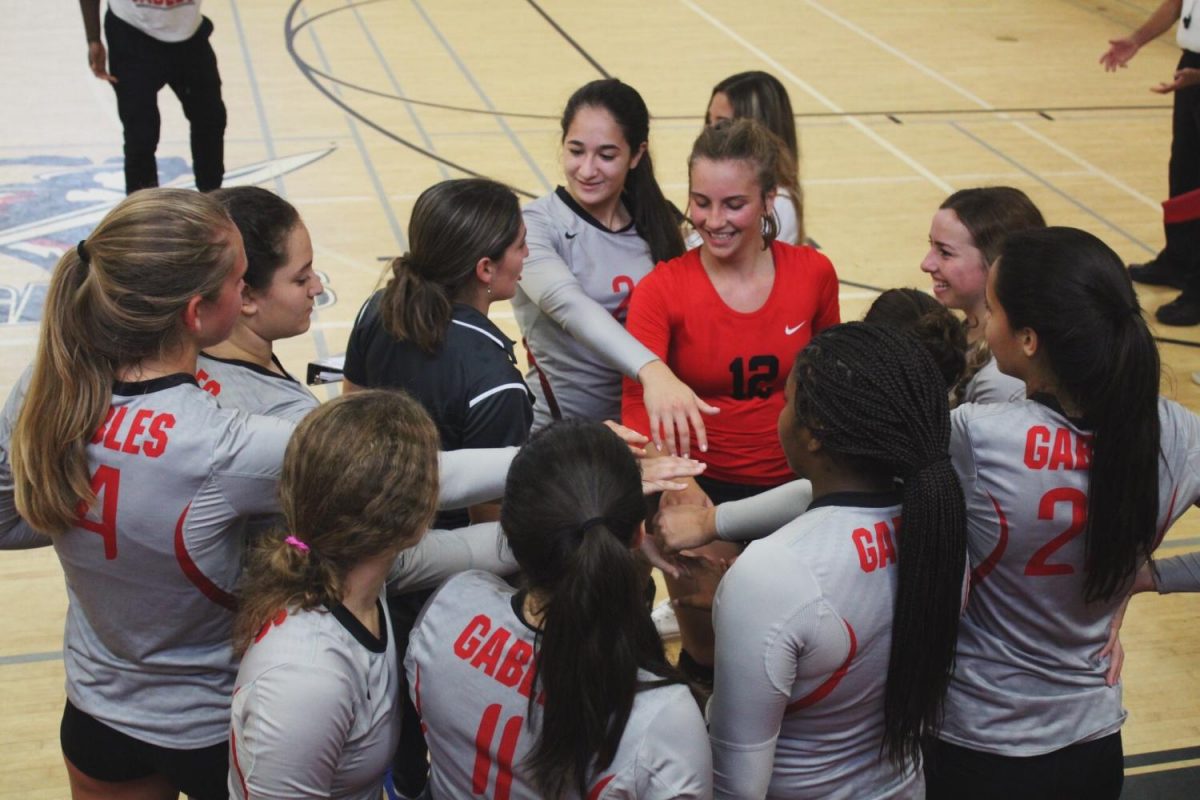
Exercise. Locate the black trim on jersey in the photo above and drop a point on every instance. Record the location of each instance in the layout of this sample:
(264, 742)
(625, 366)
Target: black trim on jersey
(885, 499)
(250, 365)
(579, 211)
(1051, 402)
(376, 644)
(518, 607)
(137, 388)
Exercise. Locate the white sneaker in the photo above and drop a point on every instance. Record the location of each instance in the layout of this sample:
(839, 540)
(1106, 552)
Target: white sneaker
(665, 621)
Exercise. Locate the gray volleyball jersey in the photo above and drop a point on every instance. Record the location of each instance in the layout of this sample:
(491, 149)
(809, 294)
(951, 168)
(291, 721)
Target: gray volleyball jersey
(803, 623)
(1178, 574)
(15, 533)
(1026, 679)
(469, 666)
(254, 389)
(152, 566)
(990, 385)
(314, 710)
(571, 305)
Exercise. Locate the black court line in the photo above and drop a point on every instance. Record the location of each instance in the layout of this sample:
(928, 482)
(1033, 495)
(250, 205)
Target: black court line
(578, 48)
(1161, 757)
(291, 30)
(893, 115)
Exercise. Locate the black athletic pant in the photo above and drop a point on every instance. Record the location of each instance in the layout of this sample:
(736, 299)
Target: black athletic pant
(1092, 770)
(1183, 239)
(142, 66)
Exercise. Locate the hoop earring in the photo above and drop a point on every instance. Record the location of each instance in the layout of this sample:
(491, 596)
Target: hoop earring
(770, 228)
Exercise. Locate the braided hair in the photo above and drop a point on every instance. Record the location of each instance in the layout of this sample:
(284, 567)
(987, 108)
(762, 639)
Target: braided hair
(875, 400)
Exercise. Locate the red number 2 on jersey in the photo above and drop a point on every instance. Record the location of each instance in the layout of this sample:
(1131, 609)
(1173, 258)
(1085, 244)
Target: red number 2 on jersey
(504, 756)
(622, 283)
(1037, 565)
(106, 485)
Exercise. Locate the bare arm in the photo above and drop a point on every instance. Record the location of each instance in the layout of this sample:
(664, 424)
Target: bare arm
(1121, 51)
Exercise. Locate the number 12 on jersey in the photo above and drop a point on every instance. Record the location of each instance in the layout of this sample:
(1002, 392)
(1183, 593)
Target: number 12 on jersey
(763, 372)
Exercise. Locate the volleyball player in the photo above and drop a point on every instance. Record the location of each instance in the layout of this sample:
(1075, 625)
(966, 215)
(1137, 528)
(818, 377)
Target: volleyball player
(965, 237)
(1068, 493)
(315, 704)
(560, 689)
(729, 318)
(835, 635)
(243, 372)
(940, 332)
(590, 243)
(139, 478)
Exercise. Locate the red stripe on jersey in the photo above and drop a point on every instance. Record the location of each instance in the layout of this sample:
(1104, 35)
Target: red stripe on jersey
(551, 403)
(989, 563)
(594, 794)
(236, 764)
(193, 573)
(822, 691)
(1166, 522)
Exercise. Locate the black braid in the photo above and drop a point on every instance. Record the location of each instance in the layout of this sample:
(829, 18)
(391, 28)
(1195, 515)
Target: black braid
(877, 402)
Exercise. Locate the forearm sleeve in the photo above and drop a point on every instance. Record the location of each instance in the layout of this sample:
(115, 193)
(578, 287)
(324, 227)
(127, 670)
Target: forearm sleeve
(763, 514)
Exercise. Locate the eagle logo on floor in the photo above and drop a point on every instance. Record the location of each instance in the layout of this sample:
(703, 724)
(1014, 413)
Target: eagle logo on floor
(48, 203)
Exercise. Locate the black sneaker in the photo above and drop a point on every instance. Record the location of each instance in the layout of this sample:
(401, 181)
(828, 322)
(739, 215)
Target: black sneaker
(1157, 273)
(1180, 311)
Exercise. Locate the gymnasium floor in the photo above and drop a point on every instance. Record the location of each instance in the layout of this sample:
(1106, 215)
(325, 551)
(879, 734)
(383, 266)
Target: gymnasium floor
(350, 109)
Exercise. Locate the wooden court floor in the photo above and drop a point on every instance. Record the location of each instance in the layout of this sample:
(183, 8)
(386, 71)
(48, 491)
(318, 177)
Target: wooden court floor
(350, 108)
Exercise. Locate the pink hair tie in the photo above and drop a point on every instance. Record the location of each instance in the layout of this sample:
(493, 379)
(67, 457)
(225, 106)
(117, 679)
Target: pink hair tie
(296, 543)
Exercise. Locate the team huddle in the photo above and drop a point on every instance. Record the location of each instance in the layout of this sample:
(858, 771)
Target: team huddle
(897, 549)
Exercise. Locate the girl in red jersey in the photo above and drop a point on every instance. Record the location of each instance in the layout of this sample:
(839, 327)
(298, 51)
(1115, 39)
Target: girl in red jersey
(729, 319)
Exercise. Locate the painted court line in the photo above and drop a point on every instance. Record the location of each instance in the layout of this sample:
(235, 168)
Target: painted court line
(1061, 193)
(855, 123)
(979, 101)
(487, 101)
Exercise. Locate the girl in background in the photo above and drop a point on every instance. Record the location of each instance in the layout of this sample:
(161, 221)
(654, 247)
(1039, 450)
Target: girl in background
(760, 96)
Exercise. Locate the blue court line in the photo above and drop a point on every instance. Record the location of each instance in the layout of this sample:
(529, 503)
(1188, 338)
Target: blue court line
(1064, 195)
(362, 148)
(31, 658)
(387, 69)
(482, 95)
(259, 107)
(1181, 543)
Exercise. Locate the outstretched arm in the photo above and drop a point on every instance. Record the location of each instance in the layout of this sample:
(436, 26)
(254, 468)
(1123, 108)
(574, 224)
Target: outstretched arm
(1120, 51)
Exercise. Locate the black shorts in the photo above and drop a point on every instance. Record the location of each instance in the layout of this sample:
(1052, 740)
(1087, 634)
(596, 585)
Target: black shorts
(105, 754)
(1085, 771)
(725, 492)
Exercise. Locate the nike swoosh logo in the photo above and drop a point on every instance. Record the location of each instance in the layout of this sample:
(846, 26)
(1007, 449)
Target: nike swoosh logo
(571, 235)
(788, 330)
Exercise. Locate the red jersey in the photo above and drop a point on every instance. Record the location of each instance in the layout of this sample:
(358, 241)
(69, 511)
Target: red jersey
(738, 362)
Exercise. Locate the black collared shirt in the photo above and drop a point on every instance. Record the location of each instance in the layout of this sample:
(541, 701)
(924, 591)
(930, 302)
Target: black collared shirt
(471, 386)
